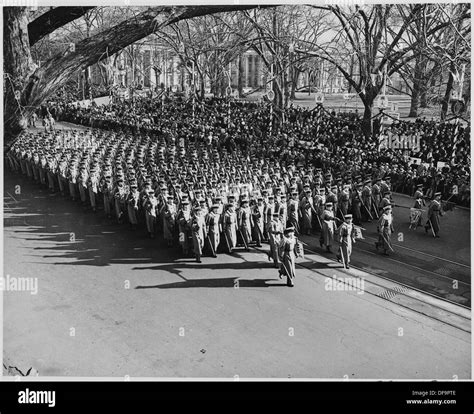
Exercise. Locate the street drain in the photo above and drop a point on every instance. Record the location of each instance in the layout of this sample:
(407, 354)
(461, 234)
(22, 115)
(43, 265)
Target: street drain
(389, 294)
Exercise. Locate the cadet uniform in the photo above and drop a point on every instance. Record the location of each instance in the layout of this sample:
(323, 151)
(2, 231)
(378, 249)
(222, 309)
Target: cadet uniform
(329, 226)
(346, 235)
(385, 230)
(289, 250)
(213, 227)
(434, 213)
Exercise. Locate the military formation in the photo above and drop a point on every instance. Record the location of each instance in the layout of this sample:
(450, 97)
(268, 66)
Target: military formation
(209, 201)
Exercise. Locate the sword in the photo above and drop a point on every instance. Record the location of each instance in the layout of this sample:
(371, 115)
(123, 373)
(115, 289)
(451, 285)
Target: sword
(342, 257)
(242, 236)
(387, 242)
(432, 229)
(227, 241)
(375, 207)
(210, 245)
(366, 209)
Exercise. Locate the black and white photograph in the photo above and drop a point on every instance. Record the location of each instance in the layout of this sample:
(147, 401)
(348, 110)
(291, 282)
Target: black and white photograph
(237, 191)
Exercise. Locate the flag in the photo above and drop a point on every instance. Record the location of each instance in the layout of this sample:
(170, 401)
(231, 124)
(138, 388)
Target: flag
(456, 136)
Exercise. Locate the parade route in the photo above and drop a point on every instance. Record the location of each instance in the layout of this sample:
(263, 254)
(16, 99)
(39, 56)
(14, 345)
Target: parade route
(112, 302)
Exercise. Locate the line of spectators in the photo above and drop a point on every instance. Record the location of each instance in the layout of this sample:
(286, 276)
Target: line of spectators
(331, 141)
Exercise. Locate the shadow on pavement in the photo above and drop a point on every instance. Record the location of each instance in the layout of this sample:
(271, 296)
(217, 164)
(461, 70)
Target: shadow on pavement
(58, 231)
(233, 282)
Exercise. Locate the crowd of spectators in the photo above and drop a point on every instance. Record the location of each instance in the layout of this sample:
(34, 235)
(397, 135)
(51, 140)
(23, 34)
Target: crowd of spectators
(328, 140)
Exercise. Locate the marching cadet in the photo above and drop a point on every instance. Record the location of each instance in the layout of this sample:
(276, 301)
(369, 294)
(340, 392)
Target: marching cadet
(419, 197)
(149, 205)
(50, 171)
(306, 211)
(220, 204)
(329, 226)
(230, 227)
(198, 233)
(24, 164)
(356, 203)
(108, 195)
(34, 161)
(72, 177)
(243, 222)
(343, 201)
(213, 228)
(257, 221)
(385, 201)
(93, 187)
(169, 220)
(347, 236)
(385, 186)
(275, 230)
(83, 177)
(292, 186)
(269, 210)
(366, 200)
(42, 168)
(209, 197)
(203, 207)
(293, 211)
(120, 194)
(376, 196)
(290, 249)
(434, 213)
(319, 202)
(283, 210)
(132, 205)
(277, 195)
(315, 192)
(61, 174)
(332, 197)
(419, 203)
(184, 220)
(385, 230)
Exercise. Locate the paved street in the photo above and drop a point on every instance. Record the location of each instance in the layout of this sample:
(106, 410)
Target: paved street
(112, 302)
(441, 266)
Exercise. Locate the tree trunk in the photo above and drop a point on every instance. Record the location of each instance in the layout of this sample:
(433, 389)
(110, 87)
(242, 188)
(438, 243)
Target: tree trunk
(447, 95)
(294, 81)
(18, 66)
(420, 84)
(37, 84)
(368, 101)
(87, 81)
(53, 19)
(351, 73)
(424, 98)
(203, 85)
(415, 95)
(240, 76)
(367, 120)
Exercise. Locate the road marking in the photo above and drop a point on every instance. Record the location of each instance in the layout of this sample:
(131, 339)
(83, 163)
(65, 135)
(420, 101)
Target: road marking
(426, 254)
(416, 267)
(16, 201)
(404, 263)
(425, 292)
